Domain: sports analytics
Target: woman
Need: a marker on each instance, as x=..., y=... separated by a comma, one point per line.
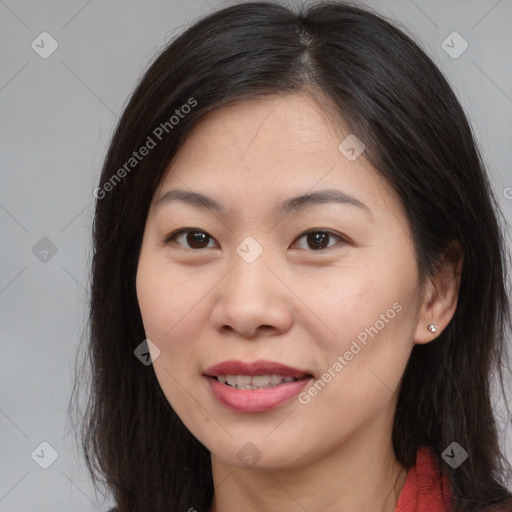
x=294, y=226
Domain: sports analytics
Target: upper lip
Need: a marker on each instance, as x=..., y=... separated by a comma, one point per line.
x=260, y=367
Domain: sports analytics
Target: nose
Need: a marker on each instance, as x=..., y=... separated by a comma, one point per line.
x=252, y=301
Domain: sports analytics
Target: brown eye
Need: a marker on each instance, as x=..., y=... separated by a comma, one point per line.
x=190, y=238
x=318, y=240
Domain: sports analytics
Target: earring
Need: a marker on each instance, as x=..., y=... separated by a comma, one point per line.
x=432, y=328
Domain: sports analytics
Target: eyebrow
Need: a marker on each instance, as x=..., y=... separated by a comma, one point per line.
x=300, y=202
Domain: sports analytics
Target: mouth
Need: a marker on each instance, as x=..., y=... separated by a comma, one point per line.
x=259, y=374
x=257, y=386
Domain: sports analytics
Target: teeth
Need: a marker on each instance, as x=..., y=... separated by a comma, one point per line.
x=231, y=380
x=261, y=381
x=275, y=379
x=254, y=382
x=242, y=380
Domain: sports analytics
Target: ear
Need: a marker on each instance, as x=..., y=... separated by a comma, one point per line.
x=440, y=295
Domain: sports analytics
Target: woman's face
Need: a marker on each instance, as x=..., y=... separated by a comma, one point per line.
x=339, y=306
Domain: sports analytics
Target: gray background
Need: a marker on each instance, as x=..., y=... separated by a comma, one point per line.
x=57, y=116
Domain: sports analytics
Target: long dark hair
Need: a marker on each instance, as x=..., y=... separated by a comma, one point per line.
x=388, y=92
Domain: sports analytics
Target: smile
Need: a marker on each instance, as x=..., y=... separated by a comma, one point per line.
x=256, y=386
x=254, y=381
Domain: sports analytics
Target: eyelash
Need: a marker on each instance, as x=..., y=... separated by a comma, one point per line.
x=175, y=234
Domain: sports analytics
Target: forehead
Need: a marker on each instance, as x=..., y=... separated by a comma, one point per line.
x=284, y=123
x=276, y=146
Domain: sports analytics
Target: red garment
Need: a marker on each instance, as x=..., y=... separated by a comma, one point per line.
x=425, y=488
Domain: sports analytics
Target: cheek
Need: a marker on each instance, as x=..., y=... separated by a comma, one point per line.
x=174, y=313
x=152, y=298
x=370, y=310
x=349, y=302
x=162, y=302
x=167, y=310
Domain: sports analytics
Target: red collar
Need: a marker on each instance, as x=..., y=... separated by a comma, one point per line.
x=425, y=488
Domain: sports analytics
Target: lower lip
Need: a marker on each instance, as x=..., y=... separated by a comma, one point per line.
x=256, y=400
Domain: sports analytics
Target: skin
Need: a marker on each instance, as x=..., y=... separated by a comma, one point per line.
x=294, y=305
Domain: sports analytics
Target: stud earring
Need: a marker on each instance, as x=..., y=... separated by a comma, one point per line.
x=432, y=328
